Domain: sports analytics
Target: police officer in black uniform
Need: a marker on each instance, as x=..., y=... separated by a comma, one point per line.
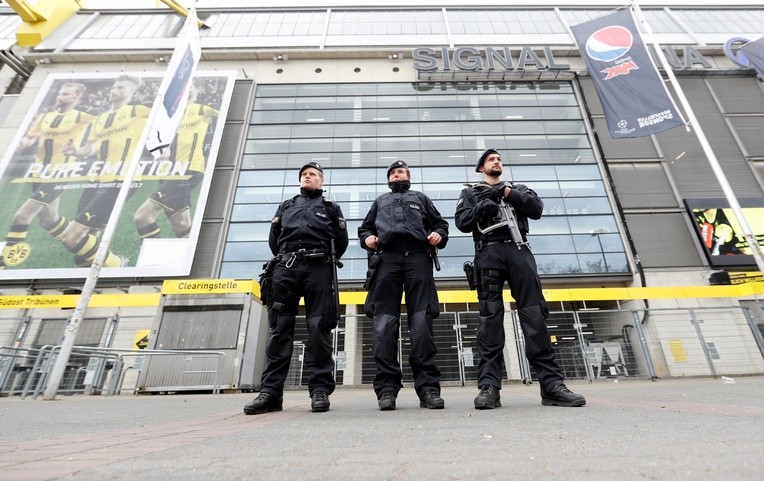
x=301, y=237
x=402, y=231
x=500, y=256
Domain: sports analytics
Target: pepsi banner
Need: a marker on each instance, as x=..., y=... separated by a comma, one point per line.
x=632, y=92
x=754, y=52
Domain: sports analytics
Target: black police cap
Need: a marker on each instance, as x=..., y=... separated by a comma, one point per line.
x=310, y=165
x=482, y=158
x=398, y=164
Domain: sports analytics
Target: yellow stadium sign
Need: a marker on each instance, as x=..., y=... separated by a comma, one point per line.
x=141, y=340
x=208, y=286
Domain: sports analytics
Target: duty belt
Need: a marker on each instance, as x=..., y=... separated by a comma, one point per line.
x=290, y=257
x=481, y=244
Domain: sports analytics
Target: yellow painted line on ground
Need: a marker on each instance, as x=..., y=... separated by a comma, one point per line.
x=231, y=286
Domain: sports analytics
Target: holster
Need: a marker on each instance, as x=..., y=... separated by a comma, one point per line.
x=371, y=273
x=266, y=281
x=473, y=275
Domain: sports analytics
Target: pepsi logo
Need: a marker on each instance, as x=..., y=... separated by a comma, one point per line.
x=609, y=43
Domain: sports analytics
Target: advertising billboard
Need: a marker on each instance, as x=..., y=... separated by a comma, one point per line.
x=719, y=232
x=632, y=92
x=62, y=172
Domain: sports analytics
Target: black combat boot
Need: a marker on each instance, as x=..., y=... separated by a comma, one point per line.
x=387, y=401
x=560, y=395
x=319, y=401
x=489, y=398
x=264, y=403
x=431, y=399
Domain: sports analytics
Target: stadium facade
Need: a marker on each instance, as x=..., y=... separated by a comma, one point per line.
x=630, y=274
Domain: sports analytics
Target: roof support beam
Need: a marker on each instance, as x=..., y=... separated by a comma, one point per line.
x=41, y=19
x=182, y=11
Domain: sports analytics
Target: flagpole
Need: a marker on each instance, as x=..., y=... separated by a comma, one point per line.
x=70, y=333
x=712, y=160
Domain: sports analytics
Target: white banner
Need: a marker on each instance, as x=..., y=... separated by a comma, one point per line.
x=173, y=92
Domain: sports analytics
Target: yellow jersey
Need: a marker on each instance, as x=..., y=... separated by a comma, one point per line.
x=117, y=132
x=189, y=143
x=53, y=130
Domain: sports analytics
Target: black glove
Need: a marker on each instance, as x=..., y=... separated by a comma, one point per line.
x=487, y=209
x=499, y=189
x=488, y=193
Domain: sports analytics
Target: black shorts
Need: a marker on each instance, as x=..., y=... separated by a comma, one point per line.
x=46, y=193
x=96, y=205
x=175, y=195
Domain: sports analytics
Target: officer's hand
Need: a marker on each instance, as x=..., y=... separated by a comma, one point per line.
x=371, y=242
x=488, y=193
x=434, y=238
x=500, y=189
x=487, y=209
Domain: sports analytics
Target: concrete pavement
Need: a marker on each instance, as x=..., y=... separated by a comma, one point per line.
x=690, y=429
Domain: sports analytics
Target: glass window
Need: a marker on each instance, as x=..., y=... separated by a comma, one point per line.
x=721, y=20
x=241, y=270
x=577, y=172
x=534, y=172
x=261, y=178
x=244, y=251
x=587, y=205
x=356, y=130
x=253, y=212
x=491, y=22
x=385, y=22
x=558, y=264
x=254, y=195
x=552, y=244
x=247, y=232
x=443, y=191
x=582, y=189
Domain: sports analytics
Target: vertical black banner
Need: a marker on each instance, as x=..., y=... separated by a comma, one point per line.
x=632, y=92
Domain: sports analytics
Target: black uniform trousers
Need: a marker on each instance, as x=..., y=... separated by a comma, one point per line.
x=311, y=278
x=504, y=262
x=412, y=271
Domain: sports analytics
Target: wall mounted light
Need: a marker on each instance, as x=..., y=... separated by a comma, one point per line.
x=281, y=57
x=394, y=56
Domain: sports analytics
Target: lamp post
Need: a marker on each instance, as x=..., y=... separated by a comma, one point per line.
x=596, y=233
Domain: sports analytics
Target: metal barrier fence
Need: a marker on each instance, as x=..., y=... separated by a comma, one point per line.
x=598, y=345
x=589, y=344
x=25, y=371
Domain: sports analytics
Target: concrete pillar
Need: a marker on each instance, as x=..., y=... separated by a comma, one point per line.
x=353, y=374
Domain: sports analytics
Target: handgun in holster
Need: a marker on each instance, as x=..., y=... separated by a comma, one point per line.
x=371, y=273
x=473, y=275
x=266, y=281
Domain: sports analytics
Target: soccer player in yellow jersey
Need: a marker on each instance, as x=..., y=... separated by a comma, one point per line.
x=112, y=137
x=51, y=131
x=174, y=196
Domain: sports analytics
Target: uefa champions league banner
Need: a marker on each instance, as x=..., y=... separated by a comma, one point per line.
x=632, y=92
x=61, y=174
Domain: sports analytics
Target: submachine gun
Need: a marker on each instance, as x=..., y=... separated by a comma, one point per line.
x=505, y=218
